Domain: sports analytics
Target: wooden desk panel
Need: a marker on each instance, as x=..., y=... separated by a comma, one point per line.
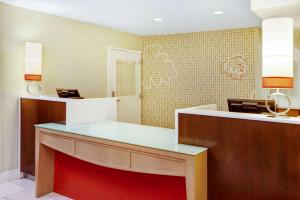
x=154, y=164
x=103, y=155
x=33, y=112
x=292, y=112
x=249, y=160
x=118, y=155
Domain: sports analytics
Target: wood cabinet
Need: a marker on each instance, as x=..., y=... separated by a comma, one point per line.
x=33, y=111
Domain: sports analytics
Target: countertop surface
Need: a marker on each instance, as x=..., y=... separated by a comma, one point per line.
x=209, y=111
x=141, y=135
x=46, y=98
x=58, y=99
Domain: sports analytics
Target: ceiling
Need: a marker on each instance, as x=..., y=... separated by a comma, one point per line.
x=136, y=16
x=277, y=8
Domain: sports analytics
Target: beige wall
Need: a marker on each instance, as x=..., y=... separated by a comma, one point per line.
x=74, y=56
x=192, y=69
x=297, y=38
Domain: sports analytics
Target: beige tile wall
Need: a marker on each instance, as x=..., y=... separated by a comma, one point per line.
x=191, y=69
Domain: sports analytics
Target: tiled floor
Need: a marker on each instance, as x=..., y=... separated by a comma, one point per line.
x=23, y=189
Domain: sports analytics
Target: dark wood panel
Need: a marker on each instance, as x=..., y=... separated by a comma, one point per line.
x=249, y=160
x=36, y=112
x=292, y=112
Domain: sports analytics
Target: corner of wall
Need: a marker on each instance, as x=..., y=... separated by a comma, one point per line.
x=258, y=64
x=297, y=38
x=1, y=90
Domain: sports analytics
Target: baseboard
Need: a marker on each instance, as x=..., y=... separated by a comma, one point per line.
x=11, y=175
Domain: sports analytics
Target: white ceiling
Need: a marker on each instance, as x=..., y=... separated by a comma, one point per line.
x=277, y=8
x=136, y=16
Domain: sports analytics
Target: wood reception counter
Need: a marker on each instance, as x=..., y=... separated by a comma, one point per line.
x=250, y=156
x=46, y=109
x=121, y=146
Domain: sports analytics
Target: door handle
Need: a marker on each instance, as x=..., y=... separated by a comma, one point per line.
x=118, y=100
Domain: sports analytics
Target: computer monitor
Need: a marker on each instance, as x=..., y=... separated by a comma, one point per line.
x=249, y=105
x=68, y=93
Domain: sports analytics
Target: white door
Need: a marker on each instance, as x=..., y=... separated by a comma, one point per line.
x=124, y=82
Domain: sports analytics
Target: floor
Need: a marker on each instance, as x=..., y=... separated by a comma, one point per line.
x=23, y=189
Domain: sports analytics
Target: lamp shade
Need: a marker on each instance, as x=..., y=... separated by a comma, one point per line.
x=33, y=61
x=278, y=47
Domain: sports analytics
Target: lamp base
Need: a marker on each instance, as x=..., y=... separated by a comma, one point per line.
x=271, y=97
x=30, y=86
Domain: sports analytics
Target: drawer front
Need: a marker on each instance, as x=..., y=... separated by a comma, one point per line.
x=157, y=165
x=62, y=144
x=103, y=155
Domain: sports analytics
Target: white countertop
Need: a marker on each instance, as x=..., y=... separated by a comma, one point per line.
x=56, y=98
x=141, y=135
x=209, y=111
x=47, y=98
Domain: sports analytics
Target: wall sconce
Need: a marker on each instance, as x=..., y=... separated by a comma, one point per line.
x=33, y=65
x=278, y=47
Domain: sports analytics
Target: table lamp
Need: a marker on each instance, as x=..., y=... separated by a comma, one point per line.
x=277, y=63
x=33, y=65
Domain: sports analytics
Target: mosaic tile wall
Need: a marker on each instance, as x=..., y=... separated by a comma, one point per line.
x=192, y=69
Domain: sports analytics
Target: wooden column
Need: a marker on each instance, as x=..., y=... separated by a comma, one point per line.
x=44, y=167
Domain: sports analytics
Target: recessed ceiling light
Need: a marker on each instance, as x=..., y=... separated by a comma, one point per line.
x=158, y=19
x=218, y=12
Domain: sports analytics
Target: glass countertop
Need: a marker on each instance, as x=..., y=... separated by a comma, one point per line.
x=141, y=135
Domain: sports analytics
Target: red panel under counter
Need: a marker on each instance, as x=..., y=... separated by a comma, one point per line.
x=80, y=180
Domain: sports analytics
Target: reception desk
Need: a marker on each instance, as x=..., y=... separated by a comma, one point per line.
x=250, y=156
x=46, y=109
x=121, y=146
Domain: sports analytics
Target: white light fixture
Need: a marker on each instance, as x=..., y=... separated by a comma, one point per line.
x=218, y=12
x=278, y=47
x=33, y=63
x=158, y=19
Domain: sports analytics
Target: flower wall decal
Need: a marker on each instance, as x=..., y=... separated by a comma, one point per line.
x=167, y=67
x=234, y=67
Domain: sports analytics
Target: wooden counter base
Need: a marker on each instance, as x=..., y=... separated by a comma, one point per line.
x=118, y=156
x=247, y=159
